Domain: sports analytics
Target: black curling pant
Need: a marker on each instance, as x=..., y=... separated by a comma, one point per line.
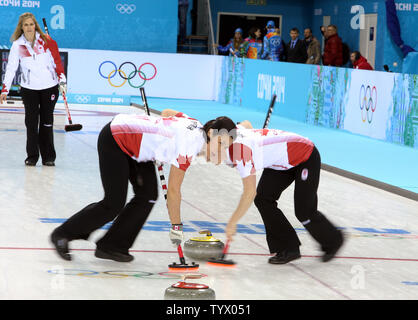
x=39, y=120
x=280, y=234
x=116, y=169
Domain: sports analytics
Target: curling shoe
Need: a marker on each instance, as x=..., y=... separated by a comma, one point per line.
x=113, y=255
x=61, y=245
x=330, y=253
x=284, y=257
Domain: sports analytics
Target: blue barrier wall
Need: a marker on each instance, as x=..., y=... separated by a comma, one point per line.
x=111, y=25
x=380, y=105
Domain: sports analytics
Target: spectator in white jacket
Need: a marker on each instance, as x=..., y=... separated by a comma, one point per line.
x=42, y=78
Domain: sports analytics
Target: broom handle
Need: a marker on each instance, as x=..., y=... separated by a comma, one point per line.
x=269, y=112
x=66, y=108
x=180, y=251
x=225, y=251
x=161, y=173
x=160, y=166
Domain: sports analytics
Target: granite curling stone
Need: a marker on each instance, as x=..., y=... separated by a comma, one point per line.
x=183, y=290
x=203, y=248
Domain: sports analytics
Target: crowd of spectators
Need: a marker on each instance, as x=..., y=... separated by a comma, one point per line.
x=272, y=47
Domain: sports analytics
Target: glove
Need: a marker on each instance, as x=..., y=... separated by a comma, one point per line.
x=63, y=88
x=3, y=98
x=176, y=234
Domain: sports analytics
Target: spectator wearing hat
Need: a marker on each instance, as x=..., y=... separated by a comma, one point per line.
x=359, y=62
x=235, y=46
x=273, y=47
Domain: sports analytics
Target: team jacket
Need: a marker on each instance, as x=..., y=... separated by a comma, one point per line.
x=272, y=46
x=173, y=140
x=230, y=48
x=41, y=65
x=362, y=63
x=333, y=51
x=254, y=48
x=256, y=149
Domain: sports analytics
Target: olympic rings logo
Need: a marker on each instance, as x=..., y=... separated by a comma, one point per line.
x=127, y=76
x=120, y=274
x=81, y=98
x=368, y=102
x=125, y=8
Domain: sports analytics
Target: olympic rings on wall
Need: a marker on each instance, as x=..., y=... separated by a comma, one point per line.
x=82, y=98
x=125, y=8
x=127, y=75
x=368, y=102
x=120, y=274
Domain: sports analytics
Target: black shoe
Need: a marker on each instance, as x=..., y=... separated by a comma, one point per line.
x=30, y=163
x=113, y=255
x=61, y=246
x=49, y=163
x=331, y=252
x=284, y=257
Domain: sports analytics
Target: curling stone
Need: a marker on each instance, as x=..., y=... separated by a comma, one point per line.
x=203, y=248
x=183, y=290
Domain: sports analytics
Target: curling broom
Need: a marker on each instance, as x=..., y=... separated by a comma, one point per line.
x=174, y=267
x=222, y=262
x=70, y=126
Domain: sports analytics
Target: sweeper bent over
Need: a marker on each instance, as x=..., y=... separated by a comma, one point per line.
x=127, y=147
x=284, y=157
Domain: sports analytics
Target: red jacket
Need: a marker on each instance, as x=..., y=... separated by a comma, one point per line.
x=362, y=63
x=333, y=52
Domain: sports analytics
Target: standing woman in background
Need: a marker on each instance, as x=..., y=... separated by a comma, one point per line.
x=254, y=43
x=41, y=81
x=236, y=46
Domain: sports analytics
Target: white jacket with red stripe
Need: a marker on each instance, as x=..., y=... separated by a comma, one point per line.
x=256, y=149
x=41, y=65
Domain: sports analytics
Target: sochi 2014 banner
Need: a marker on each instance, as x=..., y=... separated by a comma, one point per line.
x=376, y=104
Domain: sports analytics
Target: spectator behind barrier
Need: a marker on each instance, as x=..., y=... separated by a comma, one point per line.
x=254, y=44
x=235, y=46
x=359, y=62
x=183, y=6
x=296, y=49
x=313, y=47
x=272, y=43
x=333, y=52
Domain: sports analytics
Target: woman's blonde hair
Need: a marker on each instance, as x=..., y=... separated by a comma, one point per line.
x=19, y=31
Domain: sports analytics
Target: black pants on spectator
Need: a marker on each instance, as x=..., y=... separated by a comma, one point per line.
x=280, y=234
x=39, y=121
x=182, y=15
x=116, y=169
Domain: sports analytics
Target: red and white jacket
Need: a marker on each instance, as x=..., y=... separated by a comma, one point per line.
x=256, y=149
x=41, y=65
x=174, y=140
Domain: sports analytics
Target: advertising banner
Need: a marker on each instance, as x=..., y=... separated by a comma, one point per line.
x=380, y=105
x=164, y=75
x=369, y=103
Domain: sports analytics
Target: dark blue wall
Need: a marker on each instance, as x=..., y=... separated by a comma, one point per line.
x=295, y=13
x=94, y=24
